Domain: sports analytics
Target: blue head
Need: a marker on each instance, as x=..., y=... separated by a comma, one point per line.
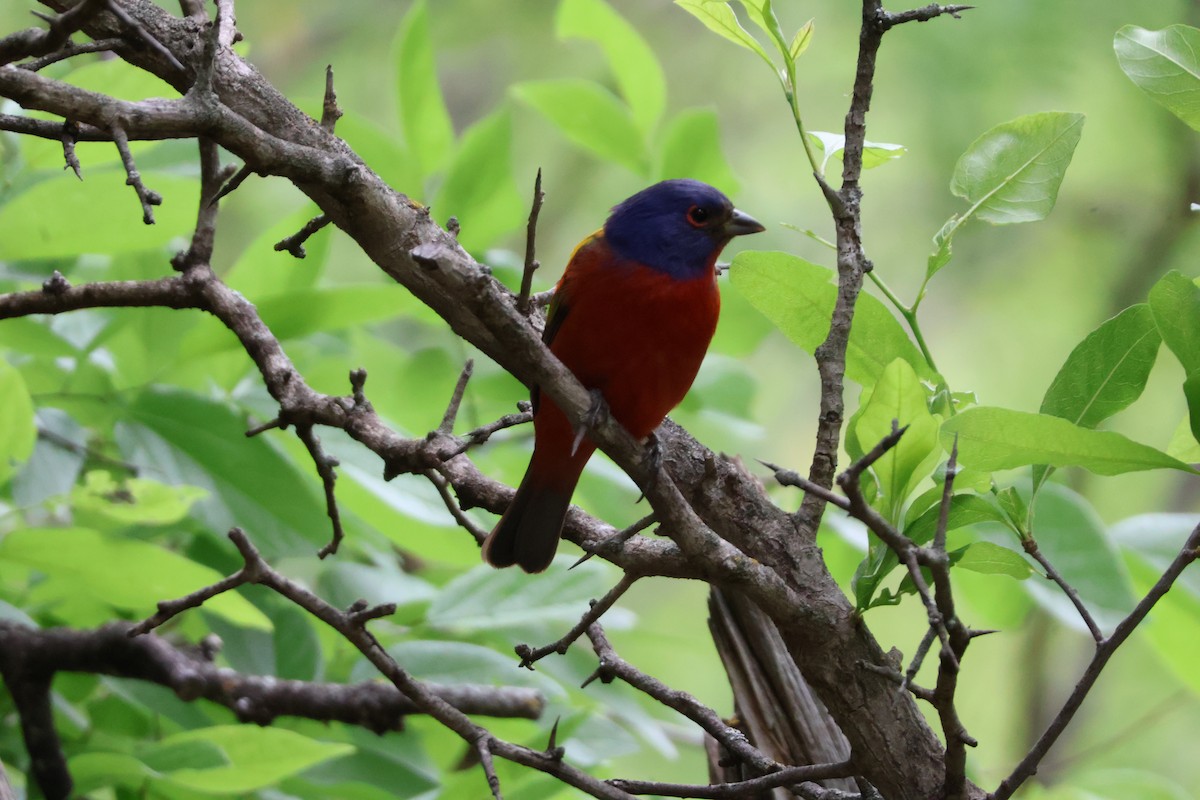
x=677, y=227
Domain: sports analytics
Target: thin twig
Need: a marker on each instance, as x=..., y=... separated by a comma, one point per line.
x=483, y=748
x=945, y=691
x=70, y=51
x=613, y=666
x=924, y=14
x=147, y=198
x=484, y=432
x=753, y=787
x=1031, y=547
x=294, y=244
x=1104, y=651
x=456, y=398
x=596, y=609
x=69, y=133
x=325, y=468
x=788, y=477
x=349, y=625
x=330, y=112
x=531, y=262
x=442, y=484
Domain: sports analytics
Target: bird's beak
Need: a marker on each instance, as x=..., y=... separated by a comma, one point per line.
x=740, y=224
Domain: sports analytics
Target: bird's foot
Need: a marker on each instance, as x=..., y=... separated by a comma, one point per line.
x=591, y=418
x=654, y=459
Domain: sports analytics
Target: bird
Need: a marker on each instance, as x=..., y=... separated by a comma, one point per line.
x=631, y=317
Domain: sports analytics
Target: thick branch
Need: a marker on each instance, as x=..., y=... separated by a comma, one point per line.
x=111, y=651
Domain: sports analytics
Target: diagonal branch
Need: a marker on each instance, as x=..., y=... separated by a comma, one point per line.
x=351, y=626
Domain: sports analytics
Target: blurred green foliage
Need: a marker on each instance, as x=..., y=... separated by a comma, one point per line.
x=141, y=466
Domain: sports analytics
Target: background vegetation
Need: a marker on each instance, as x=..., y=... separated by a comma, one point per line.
x=147, y=388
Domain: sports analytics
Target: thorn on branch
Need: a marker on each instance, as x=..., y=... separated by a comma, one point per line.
x=925, y=14
x=330, y=112
x=596, y=609
x=484, y=432
x=554, y=751
x=325, y=468
x=294, y=244
x=618, y=539
x=358, y=379
x=266, y=426
x=147, y=198
x=56, y=284
x=460, y=389
x=232, y=184
x=531, y=263
x=787, y=477
x=443, y=486
x=483, y=747
x=129, y=22
x=361, y=616
x=69, y=131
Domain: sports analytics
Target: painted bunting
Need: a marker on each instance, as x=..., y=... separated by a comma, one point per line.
x=632, y=317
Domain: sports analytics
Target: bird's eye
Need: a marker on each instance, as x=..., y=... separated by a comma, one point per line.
x=697, y=215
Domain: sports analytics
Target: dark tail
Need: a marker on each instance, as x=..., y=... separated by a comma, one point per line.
x=527, y=534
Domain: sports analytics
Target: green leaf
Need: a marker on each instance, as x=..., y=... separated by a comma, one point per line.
x=636, y=69
x=100, y=215
x=257, y=757
x=833, y=145
x=1150, y=542
x=992, y=559
x=128, y=575
x=691, y=148
x=1074, y=538
x=999, y=438
x=297, y=647
x=301, y=312
x=1104, y=374
x=943, y=249
x=92, y=771
x=1107, y=371
x=1164, y=64
x=720, y=19
x=899, y=397
x=1016, y=510
x=479, y=187
x=799, y=298
x=188, y=439
x=965, y=509
x=1178, y=611
x=1124, y=783
x=1012, y=172
x=1175, y=301
x=487, y=600
x=590, y=116
x=18, y=434
x=801, y=40
x=428, y=130
x=134, y=501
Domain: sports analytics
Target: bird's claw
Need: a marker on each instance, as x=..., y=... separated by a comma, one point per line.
x=591, y=418
x=654, y=460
